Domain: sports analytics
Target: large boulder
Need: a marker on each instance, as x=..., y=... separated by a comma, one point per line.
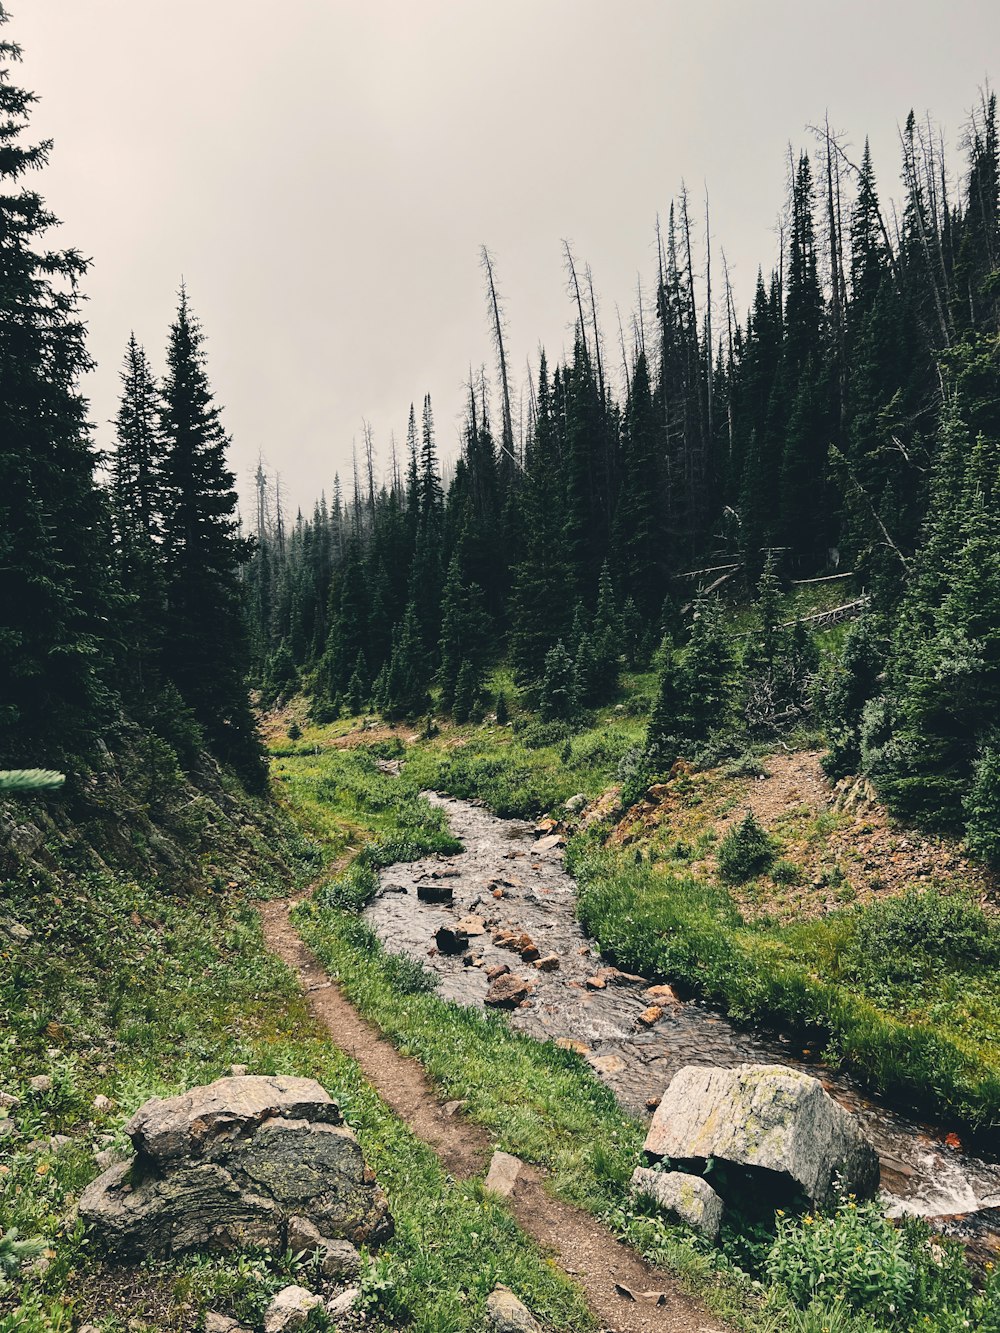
x=770, y=1132
x=228, y=1164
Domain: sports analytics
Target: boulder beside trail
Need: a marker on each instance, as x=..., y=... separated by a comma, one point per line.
x=770, y=1131
x=228, y=1165
x=684, y=1198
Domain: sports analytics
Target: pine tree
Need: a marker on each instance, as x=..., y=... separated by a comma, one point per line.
x=55, y=592
x=464, y=633
x=663, y=739
x=704, y=676
x=357, y=686
x=205, y=640
x=401, y=689
x=557, y=696
x=466, y=692
x=135, y=504
x=640, y=552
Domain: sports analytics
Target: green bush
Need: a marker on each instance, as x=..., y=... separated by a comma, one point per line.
x=898, y=1274
x=982, y=809
x=745, y=851
x=786, y=872
x=909, y=939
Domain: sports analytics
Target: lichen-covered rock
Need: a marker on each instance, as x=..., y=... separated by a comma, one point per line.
x=506, y=1314
x=227, y=1165
x=687, y=1199
x=775, y=1123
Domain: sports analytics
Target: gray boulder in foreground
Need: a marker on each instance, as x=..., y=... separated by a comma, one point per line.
x=775, y=1124
x=683, y=1198
x=227, y=1165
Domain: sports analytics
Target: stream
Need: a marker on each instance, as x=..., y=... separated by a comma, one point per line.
x=509, y=879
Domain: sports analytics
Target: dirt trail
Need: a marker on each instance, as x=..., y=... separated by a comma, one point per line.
x=581, y=1246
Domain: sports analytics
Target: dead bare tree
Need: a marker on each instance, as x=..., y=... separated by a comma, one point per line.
x=506, y=425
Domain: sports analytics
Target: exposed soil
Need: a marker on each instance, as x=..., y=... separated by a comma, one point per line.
x=840, y=838
x=581, y=1246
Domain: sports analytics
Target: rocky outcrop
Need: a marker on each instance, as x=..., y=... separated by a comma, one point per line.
x=683, y=1198
x=766, y=1127
x=228, y=1165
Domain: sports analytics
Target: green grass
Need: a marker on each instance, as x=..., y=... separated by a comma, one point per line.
x=935, y=1049
x=130, y=991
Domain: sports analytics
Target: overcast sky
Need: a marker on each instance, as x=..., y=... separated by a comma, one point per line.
x=323, y=174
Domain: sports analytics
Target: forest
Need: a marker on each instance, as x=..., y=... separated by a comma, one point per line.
x=710, y=552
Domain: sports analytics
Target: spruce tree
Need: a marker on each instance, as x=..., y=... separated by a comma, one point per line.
x=401, y=689
x=134, y=493
x=205, y=641
x=55, y=592
x=663, y=740
x=464, y=633
x=557, y=696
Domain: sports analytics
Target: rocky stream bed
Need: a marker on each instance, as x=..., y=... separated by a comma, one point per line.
x=497, y=924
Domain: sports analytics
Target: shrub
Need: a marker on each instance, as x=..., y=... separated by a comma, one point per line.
x=911, y=938
x=745, y=766
x=294, y=731
x=982, y=809
x=786, y=872
x=745, y=851
x=856, y=1255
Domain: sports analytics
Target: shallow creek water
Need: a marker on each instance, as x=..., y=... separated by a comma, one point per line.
x=507, y=878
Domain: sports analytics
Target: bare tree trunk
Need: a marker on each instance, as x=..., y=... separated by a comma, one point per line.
x=708, y=317
x=575, y=283
x=369, y=463
x=597, y=336
x=507, y=426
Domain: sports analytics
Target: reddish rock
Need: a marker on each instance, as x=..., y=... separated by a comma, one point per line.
x=596, y=982
x=662, y=995
x=651, y=1015
x=508, y=991
x=497, y=970
x=549, y=963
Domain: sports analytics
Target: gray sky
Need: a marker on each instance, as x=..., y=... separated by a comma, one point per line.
x=323, y=173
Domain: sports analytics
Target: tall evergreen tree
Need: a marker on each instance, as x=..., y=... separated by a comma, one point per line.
x=135, y=515
x=205, y=640
x=55, y=594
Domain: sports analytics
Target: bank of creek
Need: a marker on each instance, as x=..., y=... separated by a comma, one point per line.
x=509, y=882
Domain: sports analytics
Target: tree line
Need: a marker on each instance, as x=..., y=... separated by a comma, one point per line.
x=848, y=421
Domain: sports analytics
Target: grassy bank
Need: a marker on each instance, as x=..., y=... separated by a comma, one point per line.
x=938, y=1053
x=122, y=988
